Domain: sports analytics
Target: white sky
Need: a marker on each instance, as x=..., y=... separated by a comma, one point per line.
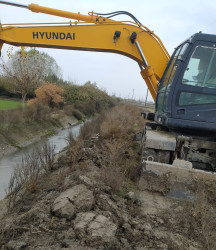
x=172, y=20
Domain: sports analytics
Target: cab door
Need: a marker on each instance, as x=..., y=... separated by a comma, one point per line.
x=163, y=100
x=194, y=97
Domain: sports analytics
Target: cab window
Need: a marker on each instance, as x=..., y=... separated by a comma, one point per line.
x=172, y=67
x=201, y=69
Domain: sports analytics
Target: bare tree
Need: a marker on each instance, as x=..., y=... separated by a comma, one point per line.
x=26, y=70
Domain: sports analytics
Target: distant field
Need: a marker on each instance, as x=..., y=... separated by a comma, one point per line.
x=7, y=104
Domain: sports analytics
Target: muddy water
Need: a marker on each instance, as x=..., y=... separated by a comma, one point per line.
x=7, y=163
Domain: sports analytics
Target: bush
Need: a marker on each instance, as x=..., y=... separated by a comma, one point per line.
x=70, y=139
x=77, y=114
x=36, y=112
x=16, y=117
x=10, y=118
x=88, y=98
x=49, y=94
x=68, y=109
x=87, y=108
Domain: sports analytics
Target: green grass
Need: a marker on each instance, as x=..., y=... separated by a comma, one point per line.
x=7, y=104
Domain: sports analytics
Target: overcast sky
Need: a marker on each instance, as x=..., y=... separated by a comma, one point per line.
x=172, y=20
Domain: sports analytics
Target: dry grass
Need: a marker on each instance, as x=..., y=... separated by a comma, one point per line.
x=204, y=216
x=91, y=128
x=70, y=139
x=19, y=116
x=113, y=177
x=110, y=138
x=73, y=153
x=121, y=122
x=119, y=128
x=26, y=174
x=196, y=219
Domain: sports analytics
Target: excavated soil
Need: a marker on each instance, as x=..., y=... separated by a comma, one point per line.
x=80, y=206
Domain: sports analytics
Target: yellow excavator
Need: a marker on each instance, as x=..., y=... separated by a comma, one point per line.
x=183, y=126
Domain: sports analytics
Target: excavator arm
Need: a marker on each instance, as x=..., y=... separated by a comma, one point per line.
x=93, y=33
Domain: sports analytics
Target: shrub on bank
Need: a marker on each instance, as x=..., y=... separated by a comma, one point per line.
x=36, y=112
x=88, y=99
x=5, y=89
x=77, y=114
x=48, y=94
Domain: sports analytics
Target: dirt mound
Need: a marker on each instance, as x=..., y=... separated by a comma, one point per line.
x=91, y=200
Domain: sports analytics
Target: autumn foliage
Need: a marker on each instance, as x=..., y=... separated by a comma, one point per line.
x=48, y=94
x=25, y=70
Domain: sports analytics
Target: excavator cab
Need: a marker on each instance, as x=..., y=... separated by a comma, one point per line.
x=186, y=98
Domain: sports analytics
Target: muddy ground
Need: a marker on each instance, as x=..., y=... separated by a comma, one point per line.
x=92, y=199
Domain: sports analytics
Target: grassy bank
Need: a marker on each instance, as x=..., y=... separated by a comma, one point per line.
x=19, y=126
x=9, y=104
x=14, y=133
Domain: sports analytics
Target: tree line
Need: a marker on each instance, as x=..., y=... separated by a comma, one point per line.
x=35, y=76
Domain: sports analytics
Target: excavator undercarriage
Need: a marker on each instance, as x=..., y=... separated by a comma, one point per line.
x=163, y=146
x=175, y=162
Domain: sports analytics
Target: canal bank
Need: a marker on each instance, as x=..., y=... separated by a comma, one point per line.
x=19, y=137
x=12, y=155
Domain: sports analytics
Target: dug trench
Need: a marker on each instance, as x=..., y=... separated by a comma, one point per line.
x=91, y=198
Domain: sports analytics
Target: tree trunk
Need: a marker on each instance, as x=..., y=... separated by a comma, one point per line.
x=23, y=103
x=23, y=99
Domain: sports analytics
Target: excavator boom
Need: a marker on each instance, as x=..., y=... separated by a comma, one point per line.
x=93, y=33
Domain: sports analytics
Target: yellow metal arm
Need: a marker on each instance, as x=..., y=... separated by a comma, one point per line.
x=1, y=44
x=105, y=36
x=76, y=16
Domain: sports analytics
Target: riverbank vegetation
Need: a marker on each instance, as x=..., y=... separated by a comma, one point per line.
x=42, y=102
x=25, y=70
x=29, y=74
x=112, y=132
x=72, y=100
